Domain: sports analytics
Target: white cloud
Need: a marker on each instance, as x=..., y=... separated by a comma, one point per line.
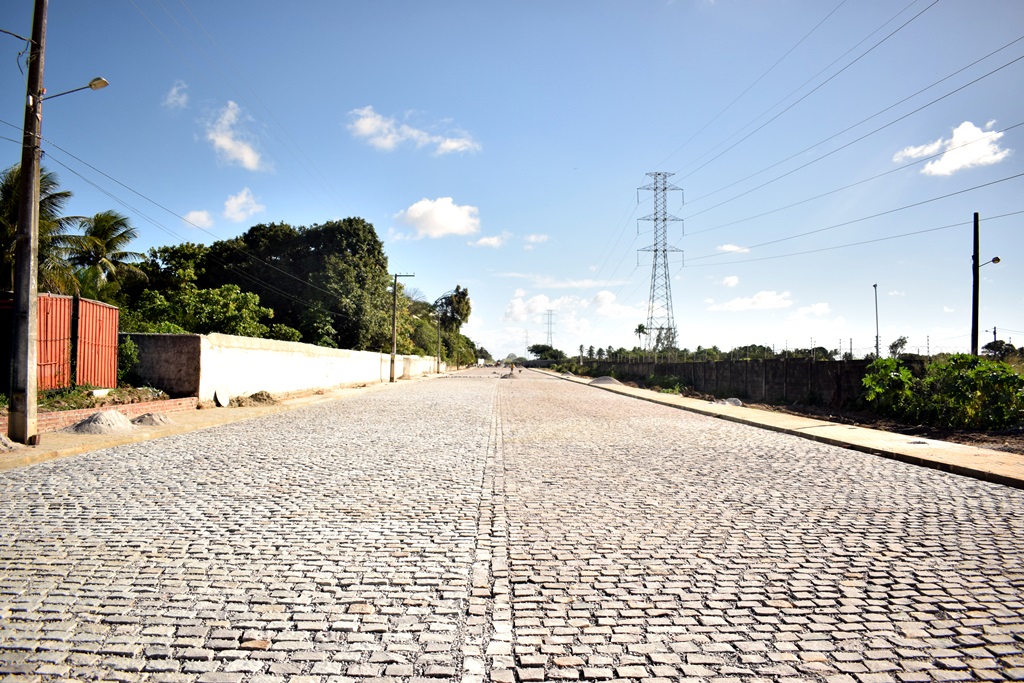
x=439, y=217
x=896, y=292
x=387, y=133
x=176, y=97
x=548, y=282
x=606, y=305
x=759, y=302
x=731, y=281
x=733, y=248
x=240, y=206
x=199, y=219
x=968, y=147
x=533, y=240
x=947, y=309
x=228, y=140
x=814, y=310
x=494, y=241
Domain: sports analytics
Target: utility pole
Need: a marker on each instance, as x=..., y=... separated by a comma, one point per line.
x=394, y=322
x=976, y=265
x=976, y=281
x=23, y=426
x=660, y=318
x=878, y=338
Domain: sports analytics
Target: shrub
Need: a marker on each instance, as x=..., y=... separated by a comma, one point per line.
x=890, y=388
x=959, y=392
x=974, y=393
x=127, y=358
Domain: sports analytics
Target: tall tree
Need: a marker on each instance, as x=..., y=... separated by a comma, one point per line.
x=454, y=308
x=102, y=257
x=55, y=273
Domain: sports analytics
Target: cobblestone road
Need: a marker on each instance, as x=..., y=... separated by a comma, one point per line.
x=477, y=529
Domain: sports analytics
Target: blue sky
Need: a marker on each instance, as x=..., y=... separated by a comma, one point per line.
x=822, y=148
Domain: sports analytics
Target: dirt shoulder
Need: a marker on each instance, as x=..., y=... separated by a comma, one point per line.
x=1007, y=440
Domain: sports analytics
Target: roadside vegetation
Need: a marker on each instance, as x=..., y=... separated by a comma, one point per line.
x=947, y=391
x=326, y=284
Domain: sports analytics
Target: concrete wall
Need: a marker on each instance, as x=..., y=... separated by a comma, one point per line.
x=777, y=380
x=202, y=365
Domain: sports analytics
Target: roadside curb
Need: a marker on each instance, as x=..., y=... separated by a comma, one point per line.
x=985, y=464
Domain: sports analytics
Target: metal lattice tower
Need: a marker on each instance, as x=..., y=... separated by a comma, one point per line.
x=551, y=323
x=661, y=325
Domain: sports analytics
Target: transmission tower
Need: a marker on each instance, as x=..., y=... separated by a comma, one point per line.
x=661, y=325
x=551, y=323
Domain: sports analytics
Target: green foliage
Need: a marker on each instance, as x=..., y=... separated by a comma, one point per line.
x=960, y=392
x=546, y=352
x=890, y=387
x=127, y=358
x=969, y=392
x=55, y=273
x=284, y=333
x=454, y=308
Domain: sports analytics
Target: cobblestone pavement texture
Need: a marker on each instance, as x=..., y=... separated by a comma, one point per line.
x=480, y=529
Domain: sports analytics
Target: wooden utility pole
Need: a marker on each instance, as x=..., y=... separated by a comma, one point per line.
x=22, y=425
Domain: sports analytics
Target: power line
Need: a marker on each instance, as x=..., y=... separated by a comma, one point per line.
x=875, y=215
x=810, y=92
x=859, y=182
x=751, y=86
x=842, y=147
x=855, y=244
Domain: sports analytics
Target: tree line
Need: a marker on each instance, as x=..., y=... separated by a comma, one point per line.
x=326, y=284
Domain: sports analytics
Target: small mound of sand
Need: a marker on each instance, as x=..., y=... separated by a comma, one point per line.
x=104, y=422
x=568, y=374
x=605, y=380
x=152, y=419
x=6, y=444
x=729, y=402
x=260, y=398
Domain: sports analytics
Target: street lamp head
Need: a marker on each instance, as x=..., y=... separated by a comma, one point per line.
x=98, y=83
x=995, y=259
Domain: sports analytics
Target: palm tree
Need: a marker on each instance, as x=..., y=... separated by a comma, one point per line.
x=100, y=256
x=55, y=273
x=640, y=331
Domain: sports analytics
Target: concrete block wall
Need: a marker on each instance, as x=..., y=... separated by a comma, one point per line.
x=204, y=365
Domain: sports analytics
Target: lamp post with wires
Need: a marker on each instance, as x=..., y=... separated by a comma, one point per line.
x=22, y=423
x=976, y=278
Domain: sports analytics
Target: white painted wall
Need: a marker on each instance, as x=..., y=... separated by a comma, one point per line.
x=240, y=366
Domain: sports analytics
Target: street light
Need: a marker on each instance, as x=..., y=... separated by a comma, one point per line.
x=22, y=425
x=976, y=279
x=878, y=348
x=98, y=83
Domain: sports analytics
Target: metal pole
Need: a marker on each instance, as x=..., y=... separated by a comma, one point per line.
x=975, y=275
x=878, y=339
x=22, y=426
x=394, y=324
x=439, y=344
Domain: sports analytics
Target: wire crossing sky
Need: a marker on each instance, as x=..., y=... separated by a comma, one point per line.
x=822, y=147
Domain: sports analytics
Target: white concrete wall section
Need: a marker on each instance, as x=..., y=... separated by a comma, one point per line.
x=243, y=365
x=238, y=366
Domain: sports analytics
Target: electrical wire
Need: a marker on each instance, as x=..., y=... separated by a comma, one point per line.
x=855, y=244
x=878, y=113
x=875, y=215
x=855, y=184
x=810, y=92
x=751, y=86
x=855, y=141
